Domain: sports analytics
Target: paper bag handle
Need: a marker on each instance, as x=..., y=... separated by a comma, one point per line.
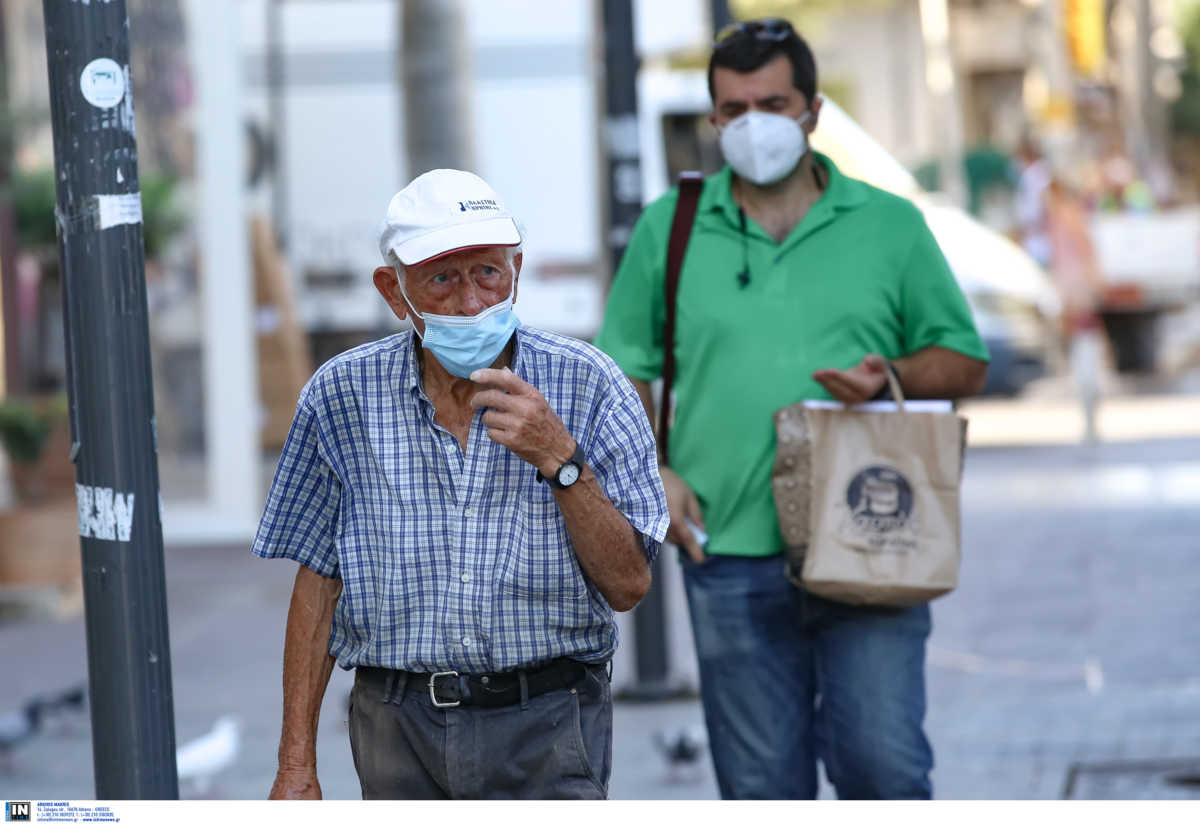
x=893, y=380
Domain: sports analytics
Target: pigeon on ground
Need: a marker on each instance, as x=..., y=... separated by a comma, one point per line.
x=201, y=759
x=683, y=749
x=18, y=726
x=74, y=698
x=58, y=711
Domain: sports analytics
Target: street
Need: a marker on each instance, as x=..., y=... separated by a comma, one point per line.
x=170, y=285
x=1066, y=664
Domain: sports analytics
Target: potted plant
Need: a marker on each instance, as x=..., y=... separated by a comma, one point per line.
x=39, y=530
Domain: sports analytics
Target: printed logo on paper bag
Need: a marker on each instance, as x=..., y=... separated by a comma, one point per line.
x=880, y=502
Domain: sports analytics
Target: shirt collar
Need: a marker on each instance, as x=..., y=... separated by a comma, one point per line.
x=842, y=194
x=410, y=376
x=410, y=369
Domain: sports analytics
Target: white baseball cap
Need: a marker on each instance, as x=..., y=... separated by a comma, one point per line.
x=443, y=211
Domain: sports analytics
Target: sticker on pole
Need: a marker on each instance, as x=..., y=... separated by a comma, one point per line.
x=103, y=83
x=104, y=513
x=117, y=210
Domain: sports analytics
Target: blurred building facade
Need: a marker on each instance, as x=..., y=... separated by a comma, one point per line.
x=316, y=129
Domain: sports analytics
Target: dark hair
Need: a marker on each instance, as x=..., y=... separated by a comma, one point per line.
x=746, y=50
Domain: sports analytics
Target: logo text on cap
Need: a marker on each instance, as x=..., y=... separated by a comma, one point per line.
x=486, y=205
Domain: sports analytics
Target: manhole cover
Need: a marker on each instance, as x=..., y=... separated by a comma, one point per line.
x=1177, y=778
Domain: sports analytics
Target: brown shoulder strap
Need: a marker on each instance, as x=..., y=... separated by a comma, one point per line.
x=690, y=185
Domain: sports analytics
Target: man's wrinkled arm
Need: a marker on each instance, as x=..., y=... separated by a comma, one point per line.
x=606, y=544
x=307, y=666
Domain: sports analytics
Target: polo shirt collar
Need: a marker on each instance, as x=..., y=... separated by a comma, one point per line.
x=842, y=194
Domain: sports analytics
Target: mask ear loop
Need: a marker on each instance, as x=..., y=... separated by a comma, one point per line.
x=407, y=302
x=816, y=172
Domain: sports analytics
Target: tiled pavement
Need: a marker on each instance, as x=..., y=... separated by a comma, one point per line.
x=1072, y=639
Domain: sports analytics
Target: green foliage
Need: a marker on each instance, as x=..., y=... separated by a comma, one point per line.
x=33, y=207
x=985, y=168
x=1185, y=113
x=162, y=218
x=34, y=199
x=1189, y=33
x=23, y=430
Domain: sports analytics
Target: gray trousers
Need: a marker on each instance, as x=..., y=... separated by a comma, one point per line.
x=553, y=746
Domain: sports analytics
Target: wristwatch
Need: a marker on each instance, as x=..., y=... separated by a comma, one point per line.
x=568, y=473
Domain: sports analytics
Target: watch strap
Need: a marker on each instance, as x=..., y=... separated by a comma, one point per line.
x=576, y=458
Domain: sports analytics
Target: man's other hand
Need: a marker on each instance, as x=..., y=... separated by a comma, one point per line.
x=857, y=384
x=683, y=506
x=292, y=783
x=519, y=417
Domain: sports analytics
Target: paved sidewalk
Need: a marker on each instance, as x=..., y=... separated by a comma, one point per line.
x=227, y=613
x=1071, y=643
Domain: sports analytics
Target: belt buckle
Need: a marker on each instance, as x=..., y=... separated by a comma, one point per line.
x=433, y=692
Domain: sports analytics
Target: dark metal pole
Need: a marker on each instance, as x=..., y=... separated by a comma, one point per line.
x=625, y=205
x=721, y=16
x=621, y=126
x=111, y=399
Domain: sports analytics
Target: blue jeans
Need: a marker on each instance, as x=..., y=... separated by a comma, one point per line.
x=787, y=678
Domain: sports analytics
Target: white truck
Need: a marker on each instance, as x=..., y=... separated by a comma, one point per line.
x=1151, y=265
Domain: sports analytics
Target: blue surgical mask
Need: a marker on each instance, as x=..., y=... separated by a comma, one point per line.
x=464, y=344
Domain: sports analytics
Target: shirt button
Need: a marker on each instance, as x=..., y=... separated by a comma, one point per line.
x=468, y=512
x=466, y=642
x=466, y=577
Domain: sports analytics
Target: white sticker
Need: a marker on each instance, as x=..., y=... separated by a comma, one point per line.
x=116, y=210
x=103, y=83
x=103, y=513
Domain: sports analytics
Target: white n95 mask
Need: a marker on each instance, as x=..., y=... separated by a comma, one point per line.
x=764, y=148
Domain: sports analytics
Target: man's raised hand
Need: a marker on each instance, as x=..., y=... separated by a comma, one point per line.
x=518, y=417
x=857, y=384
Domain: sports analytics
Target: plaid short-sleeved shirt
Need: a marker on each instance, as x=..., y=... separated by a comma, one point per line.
x=451, y=560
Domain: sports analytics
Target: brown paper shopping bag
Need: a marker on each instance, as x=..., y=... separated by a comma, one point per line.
x=868, y=501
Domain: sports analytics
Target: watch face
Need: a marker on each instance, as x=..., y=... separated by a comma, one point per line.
x=568, y=475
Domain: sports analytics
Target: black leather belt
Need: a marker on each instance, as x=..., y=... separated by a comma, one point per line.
x=451, y=689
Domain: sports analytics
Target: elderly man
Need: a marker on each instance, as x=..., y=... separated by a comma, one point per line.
x=468, y=503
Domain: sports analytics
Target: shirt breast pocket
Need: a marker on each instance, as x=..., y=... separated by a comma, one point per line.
x=539, y=562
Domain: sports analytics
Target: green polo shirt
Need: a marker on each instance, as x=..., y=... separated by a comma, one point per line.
x=861, y=273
